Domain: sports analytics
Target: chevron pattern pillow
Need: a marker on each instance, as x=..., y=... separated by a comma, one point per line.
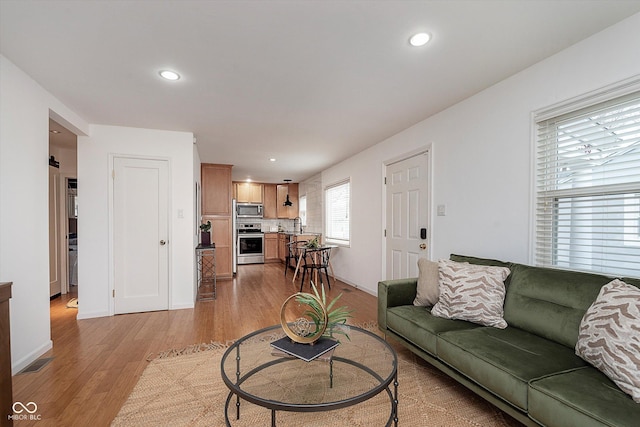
x=609, y=335
x=471, y=292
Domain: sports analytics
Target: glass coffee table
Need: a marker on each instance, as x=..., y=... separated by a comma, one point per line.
x=355, y=371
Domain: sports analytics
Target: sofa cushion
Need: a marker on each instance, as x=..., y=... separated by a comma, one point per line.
x=418, y=326
x=550, y=303
x=478, y=261
x=428, y=288
x=581, y=398
x=471, y=292
x=504, y=360
x=610, y=335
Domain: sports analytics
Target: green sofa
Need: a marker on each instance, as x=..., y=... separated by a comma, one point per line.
x=530, y=369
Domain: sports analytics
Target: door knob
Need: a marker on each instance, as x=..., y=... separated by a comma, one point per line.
x=162, y=242
x=423, y=246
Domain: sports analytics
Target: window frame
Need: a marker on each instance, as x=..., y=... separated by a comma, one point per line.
x=328, y=238
x=538, y=234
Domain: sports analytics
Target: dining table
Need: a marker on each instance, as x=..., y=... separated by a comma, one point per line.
x=312, y=252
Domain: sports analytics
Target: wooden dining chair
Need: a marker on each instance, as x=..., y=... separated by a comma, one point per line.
x=313, y=262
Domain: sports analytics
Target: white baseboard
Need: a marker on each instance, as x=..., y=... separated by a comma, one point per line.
x=181, y=306
x=92, y=315
x=31, y=357
x=363, y=289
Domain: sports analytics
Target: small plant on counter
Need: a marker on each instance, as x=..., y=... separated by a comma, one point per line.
x=336, y=316
x=314, y=244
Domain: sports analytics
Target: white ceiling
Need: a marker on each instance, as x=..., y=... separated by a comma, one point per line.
x=309, y=83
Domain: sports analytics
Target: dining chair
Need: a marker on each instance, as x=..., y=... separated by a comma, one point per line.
x=295, y=250
x=313, y=262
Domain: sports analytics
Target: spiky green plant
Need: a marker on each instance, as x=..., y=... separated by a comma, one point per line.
x=336, y=316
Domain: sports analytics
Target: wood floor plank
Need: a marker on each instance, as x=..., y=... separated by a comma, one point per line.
x=97, y=362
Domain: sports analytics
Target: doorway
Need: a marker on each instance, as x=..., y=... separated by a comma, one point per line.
x=62, y=220
x=140, y=234
x=407, y=214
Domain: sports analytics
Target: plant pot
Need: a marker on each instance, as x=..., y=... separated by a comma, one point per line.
x=205, y=238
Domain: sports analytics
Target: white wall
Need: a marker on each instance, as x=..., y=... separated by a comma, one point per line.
x=95, y=157
x=312, y=189
x=481, y=159
x=67, y=158
x=197, y=207
x=25, y=108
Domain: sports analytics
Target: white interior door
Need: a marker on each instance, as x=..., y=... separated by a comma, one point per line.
x=140, y=235
x=407, y=206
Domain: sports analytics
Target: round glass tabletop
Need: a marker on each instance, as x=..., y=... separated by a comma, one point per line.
x=359, y=368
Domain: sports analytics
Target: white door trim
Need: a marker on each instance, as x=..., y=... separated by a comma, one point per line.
x=111, y=226
x=428, y=148
x=64, y=209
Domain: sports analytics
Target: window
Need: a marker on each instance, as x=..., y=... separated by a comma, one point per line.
x=302, y=205
x=588, y=188
x=337, y=213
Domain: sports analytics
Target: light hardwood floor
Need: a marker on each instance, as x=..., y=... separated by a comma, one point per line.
x=97, y=362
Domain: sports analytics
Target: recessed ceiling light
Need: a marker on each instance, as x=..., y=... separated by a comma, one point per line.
x=419, y=39
x=272, y=159
x=169, y=75
x=248, y=180
x=54, y=131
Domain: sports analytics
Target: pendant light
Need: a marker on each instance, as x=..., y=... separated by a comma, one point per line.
x=287, y=202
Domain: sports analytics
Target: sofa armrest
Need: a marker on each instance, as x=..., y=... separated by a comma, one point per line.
x=393, y=293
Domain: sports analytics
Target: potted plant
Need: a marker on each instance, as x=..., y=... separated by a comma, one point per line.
x=313, y=243
x=336, y=316
x=205, y=236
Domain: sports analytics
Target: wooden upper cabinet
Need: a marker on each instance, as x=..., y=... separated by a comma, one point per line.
x=269, y=204
x=248, y=192
x=216, y=189
x=287, y=211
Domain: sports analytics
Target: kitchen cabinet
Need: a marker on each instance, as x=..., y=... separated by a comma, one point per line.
x=270, y=201
x=222, y=235
x=283, y=240
x=271, y=247
x=216, y=189
x=282, y=211
x=248, y=192
x=217, y=192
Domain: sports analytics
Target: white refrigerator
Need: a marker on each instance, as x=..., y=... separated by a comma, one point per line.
x=234, y=239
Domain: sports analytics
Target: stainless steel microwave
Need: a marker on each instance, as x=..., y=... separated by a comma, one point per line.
x=249, y=210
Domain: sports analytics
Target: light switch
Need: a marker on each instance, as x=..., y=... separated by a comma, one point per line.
x=180, y=213
x=442, y=210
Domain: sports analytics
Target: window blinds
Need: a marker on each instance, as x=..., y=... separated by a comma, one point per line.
x=588, y=189
x=337, y=213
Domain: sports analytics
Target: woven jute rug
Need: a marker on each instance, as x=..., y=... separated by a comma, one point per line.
x=184, y=388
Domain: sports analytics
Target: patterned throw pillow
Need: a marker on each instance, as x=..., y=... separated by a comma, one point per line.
x=471, y=292
x=609, y=335
x=428, y=287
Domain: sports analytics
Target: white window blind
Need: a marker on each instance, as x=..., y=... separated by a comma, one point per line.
x=588, y=189
x=337, y=213
x=302, y=205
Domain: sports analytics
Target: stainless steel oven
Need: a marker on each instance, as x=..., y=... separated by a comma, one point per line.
x=250, y=244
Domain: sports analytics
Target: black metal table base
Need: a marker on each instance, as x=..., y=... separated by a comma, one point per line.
x=388, y=384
